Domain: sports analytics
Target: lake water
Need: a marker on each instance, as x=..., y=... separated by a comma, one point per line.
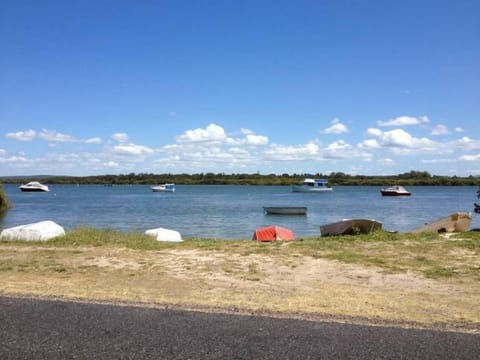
x=230, y=212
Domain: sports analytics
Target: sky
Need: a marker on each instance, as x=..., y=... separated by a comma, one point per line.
x=364, y=87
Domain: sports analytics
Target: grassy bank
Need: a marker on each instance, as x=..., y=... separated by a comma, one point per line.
x=424, y=279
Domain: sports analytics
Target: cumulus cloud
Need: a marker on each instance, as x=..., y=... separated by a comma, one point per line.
x=440, y=130
x=404, y=121
x=51, y=136
x=399, y=138
x=212, y=132
x=94, y=140
x=386, y=162
x=336, y=127
x=27, y=135
x=3, y=152
x=470, y=157
x=467, y=143
x=458, y=129
x=298, y=152
x=369, y=144
x=121, y=137
x=111, y=164
x=132, y=149
x=54, y=136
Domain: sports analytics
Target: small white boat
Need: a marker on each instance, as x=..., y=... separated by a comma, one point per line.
x=285, y=210
x=395, y=191
x=350, y=227
x=34, y=186
x=456, y=222
x=312, y=185
x=163, y=188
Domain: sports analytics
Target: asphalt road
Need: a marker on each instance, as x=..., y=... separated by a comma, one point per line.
x=37, y=329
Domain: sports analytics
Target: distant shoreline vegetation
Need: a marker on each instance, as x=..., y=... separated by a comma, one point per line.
x=412, y=178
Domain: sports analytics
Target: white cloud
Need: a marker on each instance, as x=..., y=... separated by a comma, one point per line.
x=399, y=138
x=369, y=144
x=404, y=121
x=94, y=140
x=256, y=140
x=212, y=132
x=27, y=135
x=440, y=130
x=470, y=157
x=386, y=162
x=132, y=149
x=54, y=136
x=338, y=150
x=336, y=128
x=121, y=137
x=458, y=129
x=111, y=164
x=3, y=152
x=299, y=152
x=374, y=132
x=466, y=143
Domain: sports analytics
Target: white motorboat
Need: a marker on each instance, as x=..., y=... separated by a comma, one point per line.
x=312, y=185
x=395, y=191
x=163, y=188
x=34, y=186
x=285, y=210
x=350, y=227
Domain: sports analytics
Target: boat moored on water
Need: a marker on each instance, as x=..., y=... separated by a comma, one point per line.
x=34, y=186
x=163, y=188
x=285, y=210
x=313, y=185
x=350, y=227
x=396, y=190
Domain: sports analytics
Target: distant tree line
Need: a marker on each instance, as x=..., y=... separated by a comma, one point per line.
x=335, y=178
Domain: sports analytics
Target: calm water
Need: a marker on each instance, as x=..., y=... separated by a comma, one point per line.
x=231, y=212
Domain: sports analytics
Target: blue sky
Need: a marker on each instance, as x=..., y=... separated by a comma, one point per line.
x=362, y=87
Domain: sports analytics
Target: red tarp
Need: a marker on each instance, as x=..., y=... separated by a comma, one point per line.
x=273, y=233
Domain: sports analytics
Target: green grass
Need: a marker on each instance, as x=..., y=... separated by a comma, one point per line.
x=429, y=254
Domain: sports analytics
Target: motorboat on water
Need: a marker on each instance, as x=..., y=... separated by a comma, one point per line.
x=312, y=185
x=456, y=222
x=285, y=210
x=350, y=227
x=34, y=186
x=163, y=188
x=396, y=190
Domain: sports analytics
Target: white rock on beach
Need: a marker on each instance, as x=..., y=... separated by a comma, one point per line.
x=40, y=231
x=162, y=234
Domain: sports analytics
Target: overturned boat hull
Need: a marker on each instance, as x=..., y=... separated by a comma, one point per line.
x=456, y=222
x=350, y=227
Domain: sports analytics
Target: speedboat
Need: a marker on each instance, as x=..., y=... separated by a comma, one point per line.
x=350, y=227
x=163, y=188
x=395, y=191
x=34, y=186
x=312, y=185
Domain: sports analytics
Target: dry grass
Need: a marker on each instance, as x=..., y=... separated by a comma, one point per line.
x=421, y=279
